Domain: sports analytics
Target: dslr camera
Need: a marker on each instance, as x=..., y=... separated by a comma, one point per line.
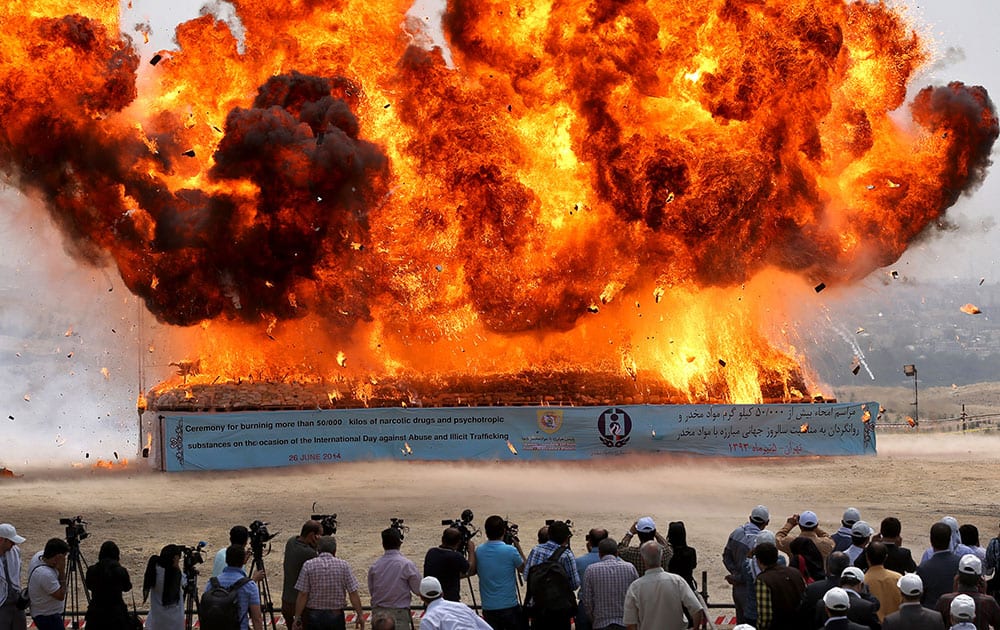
x=75, y=530
x=464, y=525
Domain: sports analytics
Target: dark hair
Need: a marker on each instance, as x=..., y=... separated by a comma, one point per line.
x=391, y=538
x=876, y=553
x=969, y=534
x=109, y=551
x=311, y=527
x=806, y=557
x=495, y=527
x=239, y=535
x=171, y=575
x=559, y=532
x=236, y=556
x=891, y=527
x=836, y=562
x=543, y=534
x=968, y=579
x=450, y=537
x=940, y=536
x=596, y=535
x=766, y=554
x=677, y=534
x=54, y=547
x=607, y=547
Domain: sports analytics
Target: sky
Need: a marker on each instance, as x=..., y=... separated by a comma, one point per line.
x=70, y=345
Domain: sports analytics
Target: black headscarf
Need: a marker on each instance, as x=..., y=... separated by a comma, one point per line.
x=109, y=551
x=171, y=575
x=806, y=557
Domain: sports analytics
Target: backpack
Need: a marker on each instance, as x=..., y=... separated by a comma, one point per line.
x=220, y=606
x=549, y=586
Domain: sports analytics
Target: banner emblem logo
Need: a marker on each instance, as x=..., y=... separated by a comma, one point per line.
x=550, y=421
x=614, y=425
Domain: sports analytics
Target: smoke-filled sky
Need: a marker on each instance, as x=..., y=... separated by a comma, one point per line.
x=69, y=341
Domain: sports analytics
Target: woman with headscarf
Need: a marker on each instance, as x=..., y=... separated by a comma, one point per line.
x=163, y=585
x=107, y=580
x=806, y=557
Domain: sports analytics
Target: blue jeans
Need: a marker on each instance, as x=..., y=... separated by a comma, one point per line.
x=323, y=619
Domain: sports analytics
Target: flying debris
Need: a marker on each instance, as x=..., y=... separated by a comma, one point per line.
x=970, y=309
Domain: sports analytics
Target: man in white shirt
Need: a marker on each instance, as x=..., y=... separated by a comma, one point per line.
x=442, y=614
x=47, y=585
x=10, y=579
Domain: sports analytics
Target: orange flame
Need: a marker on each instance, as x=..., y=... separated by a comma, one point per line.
x=511, y=448
x=326, y=183
x=910, y=421
x=804, y=427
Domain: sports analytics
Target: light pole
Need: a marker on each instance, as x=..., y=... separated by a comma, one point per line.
x=911, y=370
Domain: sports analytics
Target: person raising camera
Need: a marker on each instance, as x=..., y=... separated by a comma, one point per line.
x=449, y=565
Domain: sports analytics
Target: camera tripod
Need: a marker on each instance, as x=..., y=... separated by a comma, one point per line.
x=76, y=568
x=266, y=605
x=191, y=608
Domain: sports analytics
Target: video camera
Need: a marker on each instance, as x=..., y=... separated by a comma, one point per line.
x=75, y=530
x=192, y=557
x=328, y=521
x=569, y=524
x=397, y=524
x=258, y=536
x=464, y=525
x=510, y=533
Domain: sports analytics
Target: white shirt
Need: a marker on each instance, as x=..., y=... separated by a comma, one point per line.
x=164, y=617
x=43, y=580
x=442, y=614
x=12, y=563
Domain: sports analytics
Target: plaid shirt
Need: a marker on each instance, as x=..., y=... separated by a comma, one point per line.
x=542, y=552
x=605, y=584
x=327, y=580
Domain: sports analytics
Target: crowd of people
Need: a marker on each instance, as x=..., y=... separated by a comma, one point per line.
x=797, y=577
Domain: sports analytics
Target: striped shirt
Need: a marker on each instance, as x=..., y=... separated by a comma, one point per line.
x=326, y=580
x=605, y=584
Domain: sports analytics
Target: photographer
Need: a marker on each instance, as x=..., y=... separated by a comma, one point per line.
x=162, y=585
x=107, y=580
x=448, y=564
x=392, y=579
x=238, y=535
x=498, y=564
x=11, y=617
x=47, y=585
x=298, y=549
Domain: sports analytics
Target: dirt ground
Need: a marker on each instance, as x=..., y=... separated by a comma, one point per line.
x=916, y=477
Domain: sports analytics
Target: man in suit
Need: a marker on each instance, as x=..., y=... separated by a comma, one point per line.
x=898, y=558
x=863, y=608
x=836, y=604
x=835, y=565
x=970, y=582
x=911, y=615
x=939, y=570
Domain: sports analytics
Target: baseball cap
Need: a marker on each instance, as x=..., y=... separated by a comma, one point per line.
x=963, y=607
x=861, y=529
x=970, y=564
x=853, y=573
x=808, y=519
x=7, y=531
x=760, y=515
x=645, y=524
x=430, y=587
x=743, y=626
x=851, y=516
x=910, y=585
x=836, y=599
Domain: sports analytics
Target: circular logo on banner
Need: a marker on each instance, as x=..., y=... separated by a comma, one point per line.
x=614, y=425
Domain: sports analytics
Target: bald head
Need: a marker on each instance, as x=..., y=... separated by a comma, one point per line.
x=651, y=554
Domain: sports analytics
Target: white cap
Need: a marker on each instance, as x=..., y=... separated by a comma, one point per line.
x=7, y=531
x=808, y=519
x=430, y=587
x=861, y=529
x=910, y=585
x=851, y=516
x=854, y=573
x=970, y=564
x=760, y=515
x=837, y=599
x=645, y=525
x=963, y=608
x=744, y=626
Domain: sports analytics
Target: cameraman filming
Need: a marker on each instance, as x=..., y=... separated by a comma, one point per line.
x=448, y=564
x=238, y=535
x=298, y=549
x=498, y=564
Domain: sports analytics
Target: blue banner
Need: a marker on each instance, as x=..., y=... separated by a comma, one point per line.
x=230, y=441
